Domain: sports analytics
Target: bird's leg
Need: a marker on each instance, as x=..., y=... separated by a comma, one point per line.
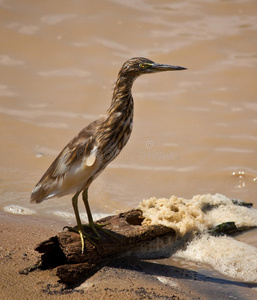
x=79, y=228
x=76, y=211
x=94, y=226
x=89, y=215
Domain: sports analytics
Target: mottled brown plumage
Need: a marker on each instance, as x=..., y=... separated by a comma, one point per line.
x=87, y=155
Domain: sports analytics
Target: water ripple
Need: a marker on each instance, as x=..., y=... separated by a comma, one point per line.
x=55, y=19
x=235, y=150
x=6, y=60
x=65, y=73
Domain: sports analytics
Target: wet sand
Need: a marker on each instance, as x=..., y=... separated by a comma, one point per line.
x=122, y=280
x=125, y=278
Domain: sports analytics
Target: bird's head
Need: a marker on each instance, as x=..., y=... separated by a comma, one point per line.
x=137, y=66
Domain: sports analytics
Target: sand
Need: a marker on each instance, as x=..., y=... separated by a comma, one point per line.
x=124, y=279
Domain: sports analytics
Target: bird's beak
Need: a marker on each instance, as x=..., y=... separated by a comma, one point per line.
x=160, y=67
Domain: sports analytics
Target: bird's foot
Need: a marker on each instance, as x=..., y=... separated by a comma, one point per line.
x=77, y=230
x=95, y=227
x=85, y=235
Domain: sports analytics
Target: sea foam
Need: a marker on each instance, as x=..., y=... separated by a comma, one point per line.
x=196, y=216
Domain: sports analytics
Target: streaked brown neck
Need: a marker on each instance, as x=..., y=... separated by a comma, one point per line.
x=117, y=127
x=122, y=100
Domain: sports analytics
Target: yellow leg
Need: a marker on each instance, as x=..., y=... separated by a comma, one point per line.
x=76, y=211
x=94, y=226
x=89, y=215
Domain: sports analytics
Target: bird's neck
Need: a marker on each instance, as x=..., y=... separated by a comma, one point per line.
x=122, y=100
x=117, y=126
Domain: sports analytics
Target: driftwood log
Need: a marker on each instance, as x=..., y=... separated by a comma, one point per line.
x=63, y=251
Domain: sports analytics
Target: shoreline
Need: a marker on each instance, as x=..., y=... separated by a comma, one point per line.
x=19, y=236
x=125, y=278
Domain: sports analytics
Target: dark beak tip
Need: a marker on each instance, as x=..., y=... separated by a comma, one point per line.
x=181, y=68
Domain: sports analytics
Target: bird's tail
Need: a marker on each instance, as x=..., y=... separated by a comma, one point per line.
x=39, y=194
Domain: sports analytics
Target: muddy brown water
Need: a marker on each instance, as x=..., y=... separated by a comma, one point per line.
x=195, y=131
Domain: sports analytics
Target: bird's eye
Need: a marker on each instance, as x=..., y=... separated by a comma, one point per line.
x=144, y=66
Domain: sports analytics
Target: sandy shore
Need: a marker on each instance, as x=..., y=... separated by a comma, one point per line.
x=127, y=278
x=124, y=279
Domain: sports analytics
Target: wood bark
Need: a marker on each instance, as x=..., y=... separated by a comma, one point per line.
x=63, y=251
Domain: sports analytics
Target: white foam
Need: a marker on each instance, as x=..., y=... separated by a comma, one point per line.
x=63, y=214
x=18, y=210
x=98, y=216
x=167, y=281
x=197, y=215
x=83, y=216
x=225, y=254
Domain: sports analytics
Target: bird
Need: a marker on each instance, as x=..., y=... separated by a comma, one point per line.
x=95, y=146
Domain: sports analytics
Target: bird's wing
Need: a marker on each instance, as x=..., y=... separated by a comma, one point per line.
x=80, y=151
x=73, y=154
